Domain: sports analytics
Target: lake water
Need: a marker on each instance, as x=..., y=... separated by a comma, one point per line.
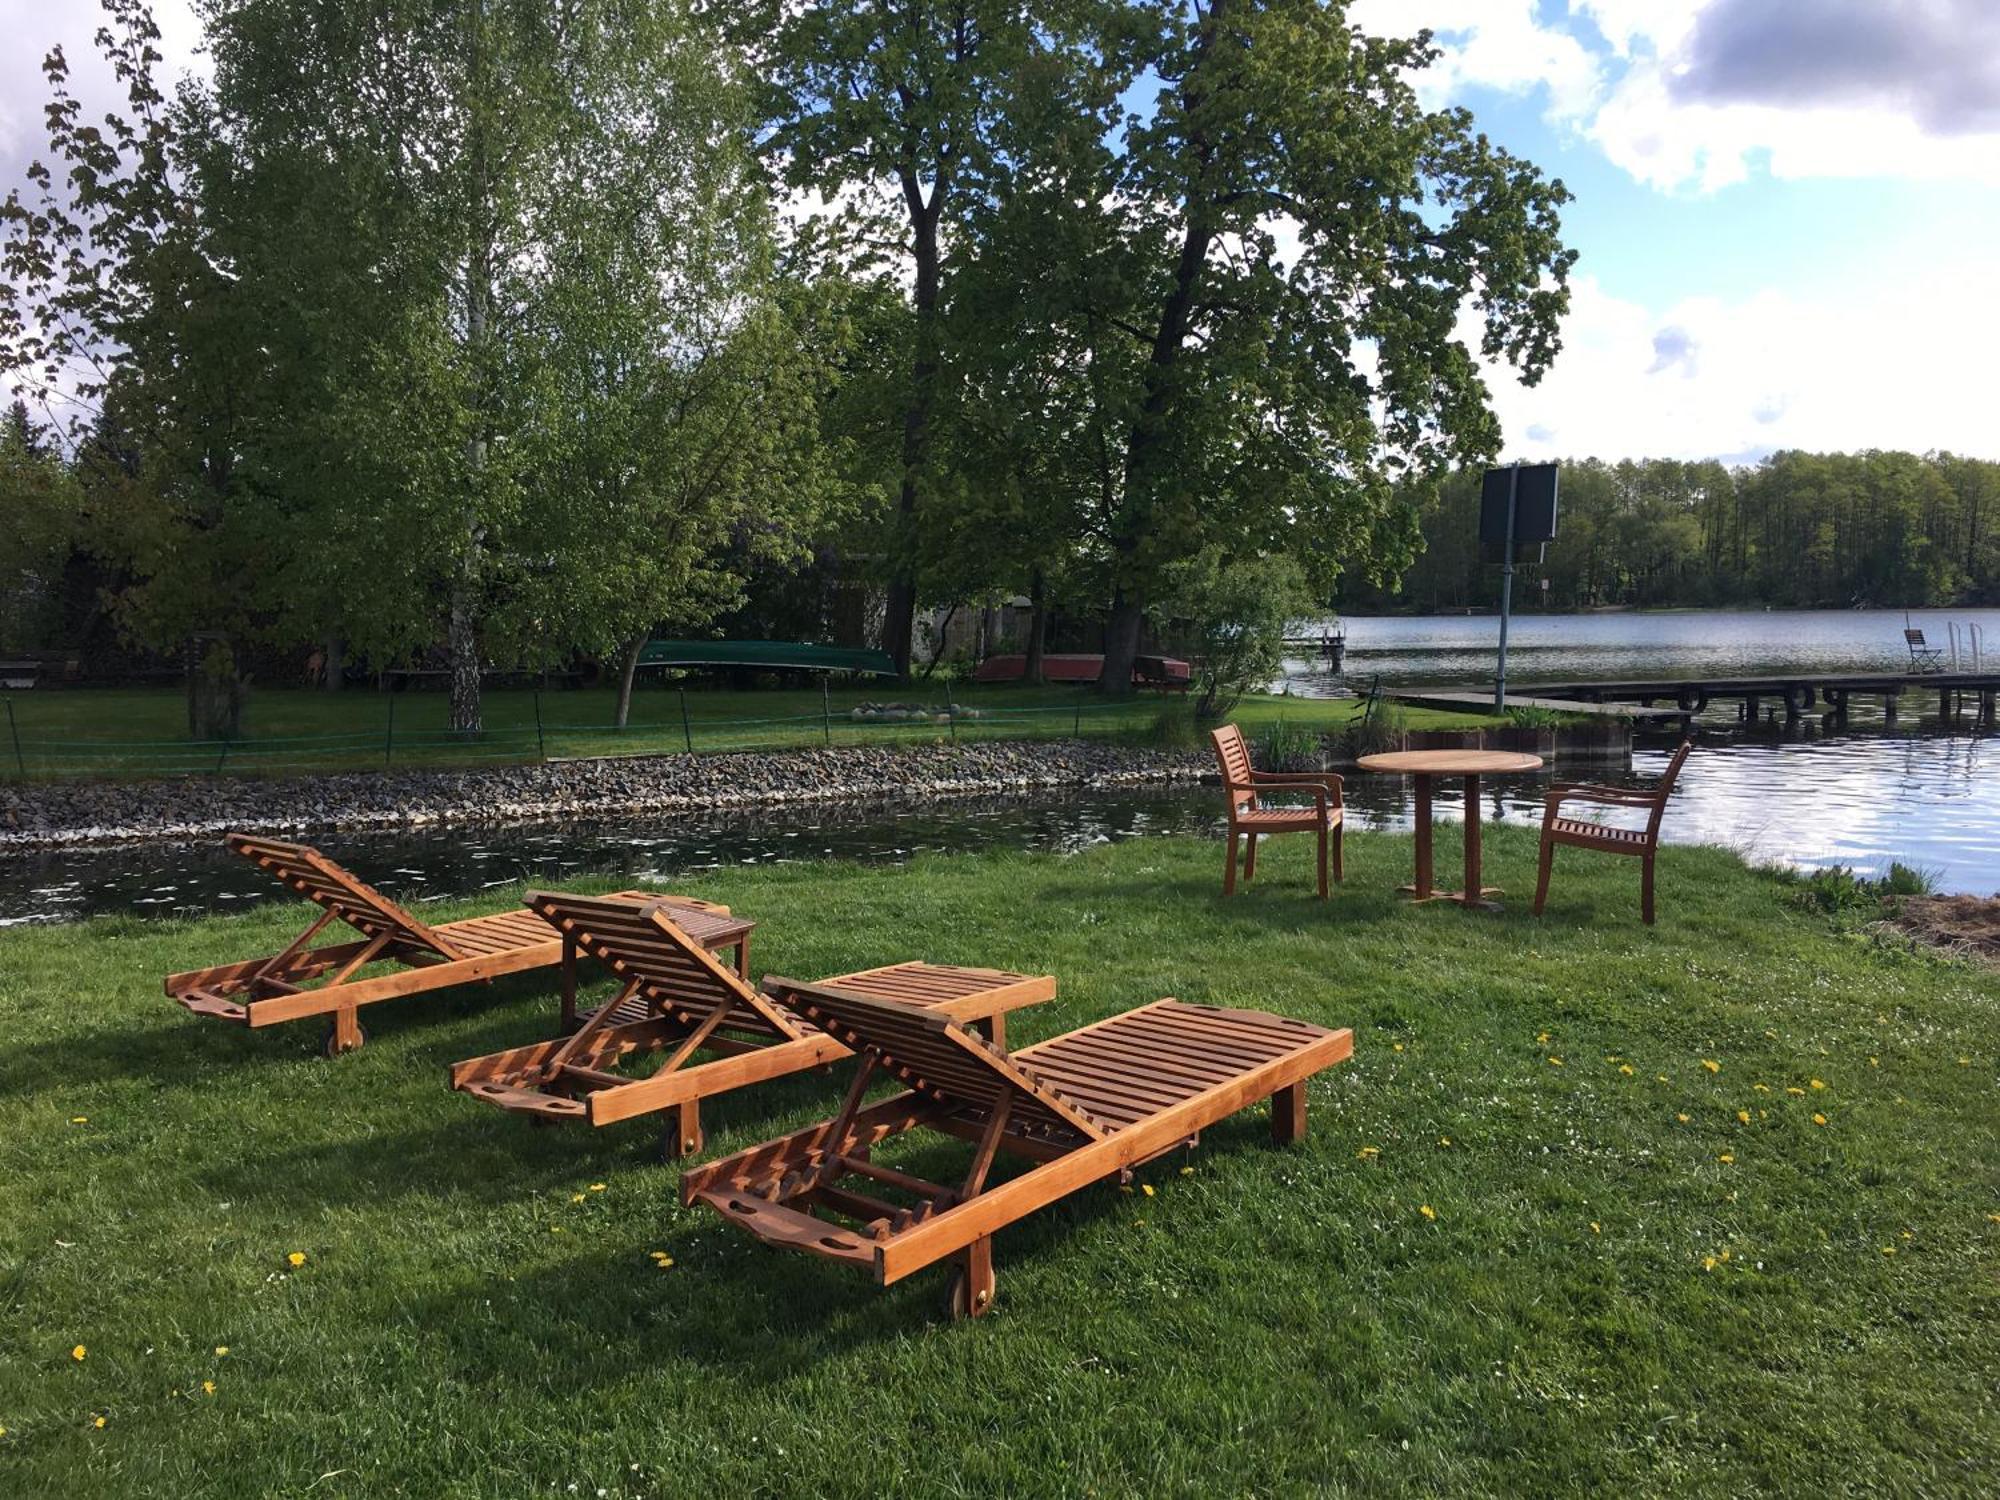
x=1810, y=794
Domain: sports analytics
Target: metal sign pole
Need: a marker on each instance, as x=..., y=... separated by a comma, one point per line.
x=1507, y=585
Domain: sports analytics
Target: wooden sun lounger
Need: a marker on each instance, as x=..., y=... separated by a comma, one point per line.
x=722, y=1033
x=1083, y=1106
x=278, y=988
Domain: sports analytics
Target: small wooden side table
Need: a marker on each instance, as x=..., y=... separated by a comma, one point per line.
x=1422, y=765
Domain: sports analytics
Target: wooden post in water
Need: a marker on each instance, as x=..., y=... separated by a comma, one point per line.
x=1890, y=703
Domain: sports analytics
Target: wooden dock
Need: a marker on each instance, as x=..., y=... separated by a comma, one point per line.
x=1798, y=692
x=1482, y=702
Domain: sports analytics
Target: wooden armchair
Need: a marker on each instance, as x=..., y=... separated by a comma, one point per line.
x=1250, y=818
x=1644, y=843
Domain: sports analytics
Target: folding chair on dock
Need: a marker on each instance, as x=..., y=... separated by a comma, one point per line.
x=718, y=1032
x=1084, y=1106
x=278, y=988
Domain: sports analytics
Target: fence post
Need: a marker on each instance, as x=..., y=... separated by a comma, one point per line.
x=14, y=730
x=389, y=740
x=222, y=757
x=541, y=745
x=950, y=713
x=687, y=732
x=826, y=708
x=1076, y=720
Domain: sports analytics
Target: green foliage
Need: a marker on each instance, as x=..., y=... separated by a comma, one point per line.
x=1230, y=615
x=1535, y=718
x=1286, y=745
x=1379, y=731
x=1835, y=529
x=1837, y=889
x=39, y=497
x=1175, y=727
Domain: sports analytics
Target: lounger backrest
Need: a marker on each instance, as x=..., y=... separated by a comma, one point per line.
x=1233, y=757
x=941, y=1059
x=353, y=900
x=640, y=940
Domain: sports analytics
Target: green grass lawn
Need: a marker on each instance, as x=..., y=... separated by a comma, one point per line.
x=143, y=731
x=1568, y=1222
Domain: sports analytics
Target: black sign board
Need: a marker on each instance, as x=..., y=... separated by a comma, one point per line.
x=1534, y=487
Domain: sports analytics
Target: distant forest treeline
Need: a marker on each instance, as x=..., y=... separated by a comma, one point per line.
x=1800, y=529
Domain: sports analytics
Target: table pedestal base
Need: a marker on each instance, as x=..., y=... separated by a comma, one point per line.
x=1477, y=903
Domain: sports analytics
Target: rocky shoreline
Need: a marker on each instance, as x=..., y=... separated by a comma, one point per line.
x=75, y=814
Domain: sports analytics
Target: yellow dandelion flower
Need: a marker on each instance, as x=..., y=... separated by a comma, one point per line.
x=78, y=1353
x=1965, y=1062
x=1908, y=1235
x=1397, y=1045
x=1555, y=1062
x=1711, y=1065
x=1626, y=1069
x=222, y=1351
x=1444, y=1140
x=1682, y=1118
x=664, y=1262
x=1874, y=1062
x=1187, y=1171
x=1742, y=1117
x=1762, y=1088
x=576, y=1197
x=1819, y=1119
x=1888, y=1249
x=1709, y=1262
x=1427, y=1211
x=597, y=1187
x=555, y=1229
x=1146, y=1188
x=208, y=1387
x=1368, y=1153
x=1727, y=1158
x=296, y=1259
x=97, y=1421
x=1595, y=1227
x=1125, y=1188
x=1542, y=1037
x=1795, y=1093
x=1660, y=1077
x=1993, y=1218
x=1816, y=1083
x=79, y=1119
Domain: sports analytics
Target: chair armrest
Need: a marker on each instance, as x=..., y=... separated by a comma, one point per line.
x=1617, y=796
x=1308, y=787
x=1299, y=780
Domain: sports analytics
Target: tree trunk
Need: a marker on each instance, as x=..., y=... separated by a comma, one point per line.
x=1121, y=645
x=462, y=645
x=627, y=671
x=1038, y=627
x=336, y=664
x=900, y=614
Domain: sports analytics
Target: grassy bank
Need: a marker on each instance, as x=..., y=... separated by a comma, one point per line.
x=1569, y=1221
x=143, y=732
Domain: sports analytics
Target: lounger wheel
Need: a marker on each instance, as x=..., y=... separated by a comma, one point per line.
x=333, y=1044
x=969, y=1293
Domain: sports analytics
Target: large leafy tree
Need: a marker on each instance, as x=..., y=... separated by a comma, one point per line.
x=901, y=117
x=514, y=276
x=1267, y=275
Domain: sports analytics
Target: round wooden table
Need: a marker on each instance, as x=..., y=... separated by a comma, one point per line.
x=1471, y=764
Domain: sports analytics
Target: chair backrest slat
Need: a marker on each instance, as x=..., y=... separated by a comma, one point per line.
x=1663, y=788
x=940, y=1058
x=1232, y=757
x=640, y=940
x=310, y=873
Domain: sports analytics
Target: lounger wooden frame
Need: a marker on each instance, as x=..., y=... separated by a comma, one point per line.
x=279, y=987
x=724, y=1035
x=1085, y=1106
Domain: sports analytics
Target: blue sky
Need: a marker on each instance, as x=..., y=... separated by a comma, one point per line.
x=1788, y=211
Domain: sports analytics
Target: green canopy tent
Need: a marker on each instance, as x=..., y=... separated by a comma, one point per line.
x=770, y=655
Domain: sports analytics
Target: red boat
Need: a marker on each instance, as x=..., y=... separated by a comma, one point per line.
x=1168, y=673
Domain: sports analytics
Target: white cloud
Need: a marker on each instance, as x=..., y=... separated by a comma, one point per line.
x=1497, y=44
x=1881, y=366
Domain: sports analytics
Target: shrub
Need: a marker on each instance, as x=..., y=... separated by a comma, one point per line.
x=1290, y=747
x=1231, y=613
x=1534, y=718
x=1383, y=728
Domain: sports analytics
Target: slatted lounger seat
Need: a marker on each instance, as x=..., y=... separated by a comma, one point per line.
x=268, y=991
x=717, y=1032
x=1083, y=1106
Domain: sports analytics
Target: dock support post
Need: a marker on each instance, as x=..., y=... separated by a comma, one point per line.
x=1944, y=705
x=1986, y=707
x=1750, y=709
x=1890, y=703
